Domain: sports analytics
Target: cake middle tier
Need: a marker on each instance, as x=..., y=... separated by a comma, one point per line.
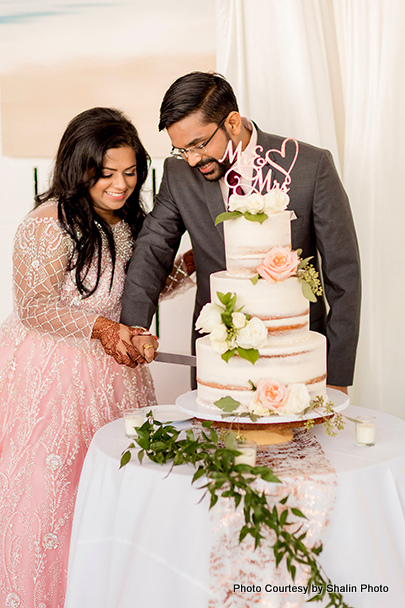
x=303, y=361
x=281, y=306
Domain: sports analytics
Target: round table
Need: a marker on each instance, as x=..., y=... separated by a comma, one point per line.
x=141, y=536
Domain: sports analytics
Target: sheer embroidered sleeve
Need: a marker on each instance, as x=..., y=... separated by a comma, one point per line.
x=181, y=278
x=41, y=254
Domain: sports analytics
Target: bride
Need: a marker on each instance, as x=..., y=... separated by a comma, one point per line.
x=67, y=366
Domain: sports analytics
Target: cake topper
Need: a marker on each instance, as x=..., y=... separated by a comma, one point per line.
x=258, y=170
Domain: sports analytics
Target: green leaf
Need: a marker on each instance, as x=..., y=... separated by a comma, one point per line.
x=307, y=292
x=214, y=436
x=227, y=404
x=250, y=354
x=224, y=298
x=244, y=532
x=230, y=440
x=269, y=476
x=255, y=279
x=297, y=512
x=125, y=458
x=259, y=217
x=207, y=424
x=283, y=517
x=227, y=215
x=158, y=446
x=228, y=354
x=238, y=498
x=303, y=263
x=317, y=550
x=199, y=473
x=213, y=501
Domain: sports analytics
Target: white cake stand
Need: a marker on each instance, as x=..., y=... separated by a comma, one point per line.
x=188, y=404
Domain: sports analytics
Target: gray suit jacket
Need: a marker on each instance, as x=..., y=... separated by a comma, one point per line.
x=187, y=201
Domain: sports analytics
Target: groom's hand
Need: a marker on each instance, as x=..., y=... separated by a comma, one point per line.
x=145, y=343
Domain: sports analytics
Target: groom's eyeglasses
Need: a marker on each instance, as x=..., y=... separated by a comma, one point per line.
x=195, y=150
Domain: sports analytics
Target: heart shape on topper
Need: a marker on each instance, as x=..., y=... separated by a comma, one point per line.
x=282, y=153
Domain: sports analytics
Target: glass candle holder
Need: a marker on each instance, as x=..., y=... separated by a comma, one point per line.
x=365, y=431
x=248, y=452
x=133, y=418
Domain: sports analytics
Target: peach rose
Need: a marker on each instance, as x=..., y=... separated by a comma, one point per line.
x=271, y=394
x=278, y=264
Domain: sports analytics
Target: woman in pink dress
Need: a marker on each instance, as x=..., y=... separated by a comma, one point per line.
x=67, y=366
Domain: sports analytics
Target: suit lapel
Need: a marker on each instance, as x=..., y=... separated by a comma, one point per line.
x=214, y=200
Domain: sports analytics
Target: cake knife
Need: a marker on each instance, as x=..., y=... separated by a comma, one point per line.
x=176, y=358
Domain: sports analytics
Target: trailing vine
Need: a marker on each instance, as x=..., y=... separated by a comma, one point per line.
x=215, y=462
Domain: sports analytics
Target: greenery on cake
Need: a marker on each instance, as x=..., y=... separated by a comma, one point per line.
x=231, y=331
x=221, y=477
x=281, y=263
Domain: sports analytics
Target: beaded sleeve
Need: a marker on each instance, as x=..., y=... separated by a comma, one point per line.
x=181, y=278
x=40, y=259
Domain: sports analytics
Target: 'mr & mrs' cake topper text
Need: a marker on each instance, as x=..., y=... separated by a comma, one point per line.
x=257, y=171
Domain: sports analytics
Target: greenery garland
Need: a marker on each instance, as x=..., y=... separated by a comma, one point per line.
x=160, y=443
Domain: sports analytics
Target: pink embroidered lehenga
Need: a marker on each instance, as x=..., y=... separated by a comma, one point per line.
x=57, y=388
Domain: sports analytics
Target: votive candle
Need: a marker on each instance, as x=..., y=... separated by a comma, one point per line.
x=248, y=455
x=133, y=419
x=365, y=431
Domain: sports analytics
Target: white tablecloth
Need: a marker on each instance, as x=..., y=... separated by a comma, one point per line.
x=141, y=539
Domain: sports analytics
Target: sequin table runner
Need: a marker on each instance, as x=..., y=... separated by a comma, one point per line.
x=241, y=577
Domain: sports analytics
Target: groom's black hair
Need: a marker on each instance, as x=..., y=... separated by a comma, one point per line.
x=207, y=92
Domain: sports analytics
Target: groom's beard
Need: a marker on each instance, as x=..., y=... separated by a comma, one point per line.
x=217, y=171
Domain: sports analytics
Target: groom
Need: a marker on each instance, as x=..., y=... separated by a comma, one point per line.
x=200, y=113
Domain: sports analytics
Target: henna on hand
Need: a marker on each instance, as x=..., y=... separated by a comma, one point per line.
x=116, y=341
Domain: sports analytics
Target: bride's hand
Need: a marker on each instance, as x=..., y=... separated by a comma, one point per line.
x=116, y=341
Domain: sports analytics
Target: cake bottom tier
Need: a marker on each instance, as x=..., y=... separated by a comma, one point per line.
x=303, y=361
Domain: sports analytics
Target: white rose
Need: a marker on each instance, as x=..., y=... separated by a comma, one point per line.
x=255, y=203
x=219, y=347
x=276, y=200
x=218, y=338
x=238, y=320
x=253, y=335
x=298, y=399
x=209, y=317
x=219, y=333
x=255, y=407
x=237, y=203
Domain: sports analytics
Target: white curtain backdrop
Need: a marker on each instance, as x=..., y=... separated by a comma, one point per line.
x=331, y=72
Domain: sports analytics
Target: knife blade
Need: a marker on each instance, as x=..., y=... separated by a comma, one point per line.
x=176, y=358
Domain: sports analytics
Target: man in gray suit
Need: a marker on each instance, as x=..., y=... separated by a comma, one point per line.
x=200, y=113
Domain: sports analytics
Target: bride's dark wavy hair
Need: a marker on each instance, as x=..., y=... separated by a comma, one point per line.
x=78, y=166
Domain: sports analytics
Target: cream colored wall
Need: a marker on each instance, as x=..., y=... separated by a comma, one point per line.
x=38, y=102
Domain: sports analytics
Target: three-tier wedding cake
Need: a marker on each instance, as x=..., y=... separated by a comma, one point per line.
x=259, y=355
